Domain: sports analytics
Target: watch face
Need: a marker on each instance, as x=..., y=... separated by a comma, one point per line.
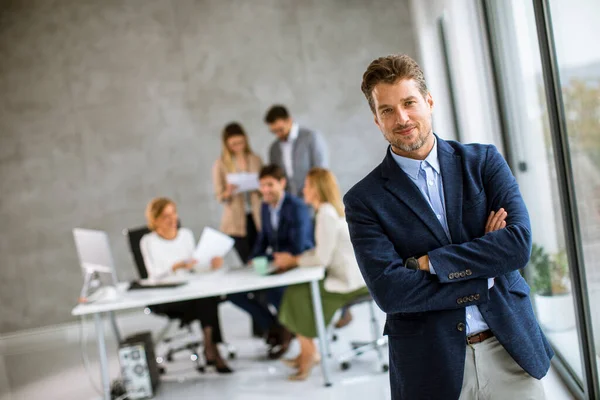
x=412, y=263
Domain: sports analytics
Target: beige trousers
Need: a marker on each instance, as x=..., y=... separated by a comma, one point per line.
x=492, y=374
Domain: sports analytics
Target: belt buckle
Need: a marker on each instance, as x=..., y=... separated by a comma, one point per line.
x=477, y=335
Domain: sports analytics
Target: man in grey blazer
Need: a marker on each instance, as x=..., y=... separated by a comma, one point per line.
x=296, y=150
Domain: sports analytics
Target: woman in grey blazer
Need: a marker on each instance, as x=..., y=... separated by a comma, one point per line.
x=241, y=211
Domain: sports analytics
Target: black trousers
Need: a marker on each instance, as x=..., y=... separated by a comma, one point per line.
x=204, y=310
x=244, y=244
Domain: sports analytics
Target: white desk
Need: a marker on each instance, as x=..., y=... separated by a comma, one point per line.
x=202, y=285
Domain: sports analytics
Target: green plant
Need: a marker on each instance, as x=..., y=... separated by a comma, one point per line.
x=550, y=273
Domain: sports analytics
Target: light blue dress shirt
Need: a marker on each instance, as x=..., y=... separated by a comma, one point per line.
x=274, y=213
x=426, y=174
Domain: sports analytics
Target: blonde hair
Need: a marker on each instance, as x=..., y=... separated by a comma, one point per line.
x=155, y=208
x=231, y=130
x=327, y=188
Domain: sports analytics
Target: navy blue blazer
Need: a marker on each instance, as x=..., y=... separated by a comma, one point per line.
x=294, y=234
x=390, y=220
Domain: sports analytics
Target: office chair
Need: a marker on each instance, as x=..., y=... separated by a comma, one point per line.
x=134, y=237
x=359, y=348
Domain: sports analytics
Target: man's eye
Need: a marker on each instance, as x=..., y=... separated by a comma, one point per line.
x=409, y=103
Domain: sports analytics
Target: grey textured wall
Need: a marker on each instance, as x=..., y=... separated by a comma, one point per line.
x=105, y=104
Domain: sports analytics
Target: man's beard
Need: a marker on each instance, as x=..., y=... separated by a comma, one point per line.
x=408, y=147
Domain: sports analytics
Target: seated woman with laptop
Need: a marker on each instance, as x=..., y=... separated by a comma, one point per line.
x=168, y=250
x=343, y=281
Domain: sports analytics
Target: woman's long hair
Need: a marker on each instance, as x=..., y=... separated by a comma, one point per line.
x=232, y=129
x=327, y=188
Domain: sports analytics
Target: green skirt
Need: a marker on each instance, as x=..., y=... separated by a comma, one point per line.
x=296, y=310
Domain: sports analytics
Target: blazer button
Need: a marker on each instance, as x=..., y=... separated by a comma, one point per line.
x=468, y=272
x=462, y=274
x=451, y=275
x=459, y=300
x=471, y=298
x=460, y=327
x=477, y=296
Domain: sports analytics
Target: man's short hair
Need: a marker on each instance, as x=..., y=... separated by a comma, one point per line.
x=276, y=112
x=391, y=69
x=271, y=171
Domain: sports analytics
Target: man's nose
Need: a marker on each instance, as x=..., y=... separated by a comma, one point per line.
x=402, y=116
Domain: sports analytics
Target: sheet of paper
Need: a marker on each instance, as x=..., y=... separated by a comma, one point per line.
x=245, y=181
x=212, y=244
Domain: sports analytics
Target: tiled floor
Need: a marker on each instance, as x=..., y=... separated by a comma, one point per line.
x=48, y=365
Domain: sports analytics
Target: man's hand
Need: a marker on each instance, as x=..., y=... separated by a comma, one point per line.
x=285, y=261
x=496, y=221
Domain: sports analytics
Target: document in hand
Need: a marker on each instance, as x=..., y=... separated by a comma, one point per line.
x=245, y=181
x=212, y=244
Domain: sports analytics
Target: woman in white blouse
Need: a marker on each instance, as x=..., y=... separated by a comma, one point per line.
x=168, y=250
x=343, y=281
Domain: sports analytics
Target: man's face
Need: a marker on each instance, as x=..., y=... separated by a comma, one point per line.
x=272, y=189
x=281, y=128
x=403, y=116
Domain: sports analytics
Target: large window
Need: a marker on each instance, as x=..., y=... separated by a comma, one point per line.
x=520, y=70
x=574, y=25
x=525, y=85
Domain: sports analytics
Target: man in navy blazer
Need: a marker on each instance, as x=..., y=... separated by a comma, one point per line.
x=440, y=232
x=286, y=227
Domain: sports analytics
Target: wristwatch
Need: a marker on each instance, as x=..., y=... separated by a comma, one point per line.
x=412, y=263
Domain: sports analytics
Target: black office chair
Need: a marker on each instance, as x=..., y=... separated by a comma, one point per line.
x=134, y=237
x=377, y=341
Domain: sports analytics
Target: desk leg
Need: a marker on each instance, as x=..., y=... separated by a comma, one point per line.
x=323, y=340
x=103, y=357
x=115, y=327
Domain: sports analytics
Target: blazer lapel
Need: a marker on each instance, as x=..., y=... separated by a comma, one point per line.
x=401, y=186
x=452, y=180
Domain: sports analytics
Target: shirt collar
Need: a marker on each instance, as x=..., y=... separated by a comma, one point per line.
x=293, y=133
x=411, y=167
x=279, y=203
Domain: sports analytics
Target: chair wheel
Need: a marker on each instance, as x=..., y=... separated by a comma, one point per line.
x=232, y=355
x=345, y=366
x=162, y=370
x=200, y=369
x=385, y=368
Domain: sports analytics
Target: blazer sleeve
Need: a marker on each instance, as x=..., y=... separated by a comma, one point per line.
x=261, y=244
x=495, y=253
x=219, y=180
x=301, y=228
x=319, y=151
x=394, y=288
x=325, y=240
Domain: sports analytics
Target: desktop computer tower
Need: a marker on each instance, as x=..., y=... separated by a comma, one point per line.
x=138, y=366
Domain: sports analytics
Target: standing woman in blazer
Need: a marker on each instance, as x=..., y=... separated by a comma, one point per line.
x=343, y=280
x=241, y=212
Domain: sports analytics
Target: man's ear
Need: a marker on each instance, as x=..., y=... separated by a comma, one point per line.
x=283, y=182
x=376, y=120
x=429, y=100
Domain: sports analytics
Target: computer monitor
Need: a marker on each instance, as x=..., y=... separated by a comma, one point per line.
x=95, y=259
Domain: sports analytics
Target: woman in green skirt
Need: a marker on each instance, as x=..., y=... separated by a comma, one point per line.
x=343, y=281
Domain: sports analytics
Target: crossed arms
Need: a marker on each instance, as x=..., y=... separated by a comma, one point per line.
x=399, y=290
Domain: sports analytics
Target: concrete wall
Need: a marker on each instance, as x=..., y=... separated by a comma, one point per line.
x=105, y=104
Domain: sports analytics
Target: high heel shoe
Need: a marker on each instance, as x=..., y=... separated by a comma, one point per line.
x=213, y=363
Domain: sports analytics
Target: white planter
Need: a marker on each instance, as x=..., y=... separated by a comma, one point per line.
x=555, y=313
